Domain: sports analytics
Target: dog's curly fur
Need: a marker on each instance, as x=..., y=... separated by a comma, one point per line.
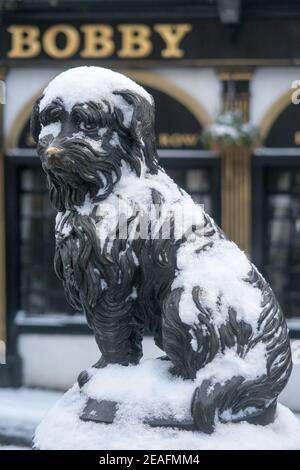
x=123, y=285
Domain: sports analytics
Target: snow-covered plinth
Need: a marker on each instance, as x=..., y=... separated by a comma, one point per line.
x=145, y=391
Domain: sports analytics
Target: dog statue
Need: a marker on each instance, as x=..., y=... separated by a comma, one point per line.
x=175, y=272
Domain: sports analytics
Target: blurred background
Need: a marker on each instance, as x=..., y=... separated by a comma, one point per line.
x=212, y=66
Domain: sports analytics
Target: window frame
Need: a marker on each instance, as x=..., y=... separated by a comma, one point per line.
x=180, y=159
x=262, y=160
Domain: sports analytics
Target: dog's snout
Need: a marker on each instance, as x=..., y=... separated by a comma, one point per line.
x=53, y=151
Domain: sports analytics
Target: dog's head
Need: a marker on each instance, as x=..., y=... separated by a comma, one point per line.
x=87, y=124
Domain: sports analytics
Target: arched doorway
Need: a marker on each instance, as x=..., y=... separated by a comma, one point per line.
x=178, y=123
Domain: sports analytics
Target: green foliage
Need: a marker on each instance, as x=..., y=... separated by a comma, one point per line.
x=230, y=130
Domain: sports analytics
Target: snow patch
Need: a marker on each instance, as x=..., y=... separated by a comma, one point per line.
x=228, y=364
x=22, y=409
x=51, y=129
x=87, y=207
x=134, y=193
x=149, y=390
x=97, y=84
x=220, y=272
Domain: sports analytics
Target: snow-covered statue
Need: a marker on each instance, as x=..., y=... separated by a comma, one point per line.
x=134, y=251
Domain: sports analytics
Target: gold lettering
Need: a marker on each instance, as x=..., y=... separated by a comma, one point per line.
x=135, y=41
x=72, y=41
x=178, y=140
x=98, y=41
x=163, y=140
x=172, y=34
x=297, y=137
x=25, y=42
x=190, y=140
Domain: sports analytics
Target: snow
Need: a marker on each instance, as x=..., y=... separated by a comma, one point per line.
x=158, y=391
x=13, y=448
x=220, y=272
x=22, y=409
x=54, y=128
x=221, y=130
x=115, y=141
x=230, y=126
x=148, y=390
x=97, y=84
x=134, y=193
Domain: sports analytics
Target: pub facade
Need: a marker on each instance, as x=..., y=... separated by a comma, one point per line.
x=197, y=61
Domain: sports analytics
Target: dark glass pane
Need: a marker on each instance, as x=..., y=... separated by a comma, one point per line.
x=41, y=291
x=31, y=230
x=282, y=243
x=280, y=231
x=177, y=175
x=278, y=180
x=32, y=205
x=205, y=200
x=277, y=257
x=295, y=210
x=279, y=282
x=32, y=253
x=197, y=180
x=296, y=185
x=280, y=205
x=33, y=180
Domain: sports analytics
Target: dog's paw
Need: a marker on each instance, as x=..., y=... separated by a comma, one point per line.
x=175, y=371
x=83, y=378
x=101, y=363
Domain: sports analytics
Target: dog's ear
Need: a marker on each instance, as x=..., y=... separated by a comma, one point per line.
x=141, y=126
x=35, y=124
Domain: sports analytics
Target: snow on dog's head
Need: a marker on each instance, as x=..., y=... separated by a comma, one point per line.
x=84, y=84
x=88, y=121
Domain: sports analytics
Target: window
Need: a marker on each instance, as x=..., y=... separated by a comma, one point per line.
x=200, y=177
x=282, y=236
x=197, y=182
x=40, y=289
x=276, y=226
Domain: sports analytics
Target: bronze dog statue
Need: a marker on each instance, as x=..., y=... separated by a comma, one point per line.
x=195, y=290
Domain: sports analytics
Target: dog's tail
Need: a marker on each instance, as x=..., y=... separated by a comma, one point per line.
x=242, y=397
x=249, y=399
x=235, y=400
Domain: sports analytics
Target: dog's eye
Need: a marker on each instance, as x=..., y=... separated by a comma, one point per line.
x=49, y=116
x=89, y=126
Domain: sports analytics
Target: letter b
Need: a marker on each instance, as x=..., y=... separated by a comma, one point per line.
x=25, y=42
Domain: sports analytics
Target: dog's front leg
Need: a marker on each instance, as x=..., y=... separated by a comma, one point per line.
x=118, y=333
x=118, y=336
